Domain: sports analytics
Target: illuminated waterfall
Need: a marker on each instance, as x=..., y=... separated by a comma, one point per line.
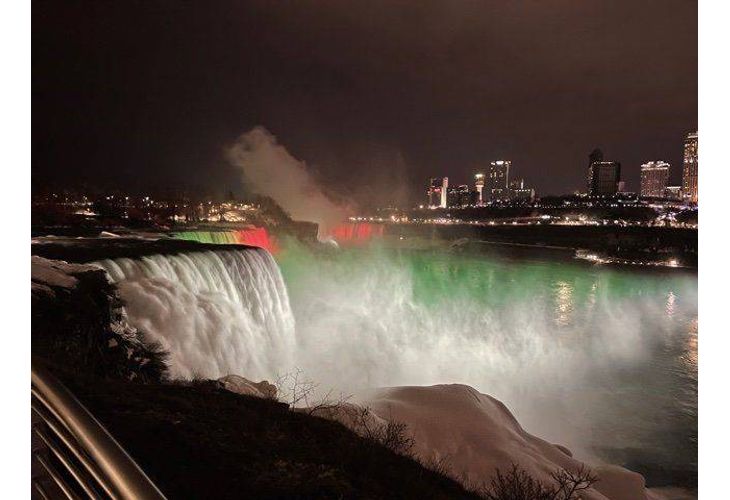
x=356, y=233
x=553, y=341
x=255, y=236
x=216, y=312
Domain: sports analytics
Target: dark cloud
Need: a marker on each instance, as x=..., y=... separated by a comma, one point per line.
x=372, y=95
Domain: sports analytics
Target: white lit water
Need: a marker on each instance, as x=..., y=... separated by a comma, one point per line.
x=598, y=359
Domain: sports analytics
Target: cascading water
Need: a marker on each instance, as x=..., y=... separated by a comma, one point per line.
x=356, y=233
x=584, y=356
x=216, y=312
x=255, y=236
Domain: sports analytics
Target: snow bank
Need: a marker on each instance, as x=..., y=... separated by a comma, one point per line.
x=46, y=274
x=244, y=386
x=476, y=434
x=357, y=418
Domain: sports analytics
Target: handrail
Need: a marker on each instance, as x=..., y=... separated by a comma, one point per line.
x=101, y=463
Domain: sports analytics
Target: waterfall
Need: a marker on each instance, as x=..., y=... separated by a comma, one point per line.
x=254, y=236
x=578, y=353
x=216, y=312
x=356, y=233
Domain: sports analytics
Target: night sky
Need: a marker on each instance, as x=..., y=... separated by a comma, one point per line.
x=375, y=96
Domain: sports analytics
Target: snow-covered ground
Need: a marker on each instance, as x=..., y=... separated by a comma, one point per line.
x=472, y=435
x=475, y=434
x=45, y=274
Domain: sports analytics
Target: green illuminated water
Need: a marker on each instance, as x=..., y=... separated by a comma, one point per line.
x=215, y=237
x=599, y=359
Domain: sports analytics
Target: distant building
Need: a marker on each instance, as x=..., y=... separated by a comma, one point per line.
x=459, y=196
x=673, y=193
x=479, y=184
x=603, y=176
x=444, y=192
x=518, y=191
x=689, y=172
x=654, y=179
x=595, y=157
x=433, y=191
x=498, y=180
x=437, y=191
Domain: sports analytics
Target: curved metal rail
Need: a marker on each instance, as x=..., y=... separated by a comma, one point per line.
x=81, y=458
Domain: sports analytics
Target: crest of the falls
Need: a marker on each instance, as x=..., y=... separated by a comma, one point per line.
x=216, y=312
x=253, y=236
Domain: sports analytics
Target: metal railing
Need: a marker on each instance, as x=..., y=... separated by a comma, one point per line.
x=78, y=454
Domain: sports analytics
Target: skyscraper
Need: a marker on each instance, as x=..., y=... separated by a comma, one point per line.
x=498, y=181
x=654, y=179
x=603, y=176
x=437, y=191
x=444, y=193
x=689, y=172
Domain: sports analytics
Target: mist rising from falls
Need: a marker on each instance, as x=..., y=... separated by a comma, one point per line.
x=566, y=347
x=271, y=170
x=216, y=312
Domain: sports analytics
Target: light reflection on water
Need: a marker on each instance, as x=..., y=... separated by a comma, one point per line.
x=564, y=303
x=671, y=298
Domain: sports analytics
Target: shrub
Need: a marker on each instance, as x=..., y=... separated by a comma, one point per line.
x=519, y=485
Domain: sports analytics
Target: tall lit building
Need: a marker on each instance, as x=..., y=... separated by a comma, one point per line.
x=437, y=191
x=498, y=180
x=479, y=183
x=689, y=172
x=444, y=193
x=603, y=176
x=595, y=156
x=654, y=179
x=431, y=191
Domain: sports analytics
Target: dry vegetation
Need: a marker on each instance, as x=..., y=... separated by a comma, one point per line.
x=298, y=392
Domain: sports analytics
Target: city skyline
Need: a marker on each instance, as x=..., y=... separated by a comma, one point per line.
x=604, y=177
x=676, y=178
x=494, y=183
